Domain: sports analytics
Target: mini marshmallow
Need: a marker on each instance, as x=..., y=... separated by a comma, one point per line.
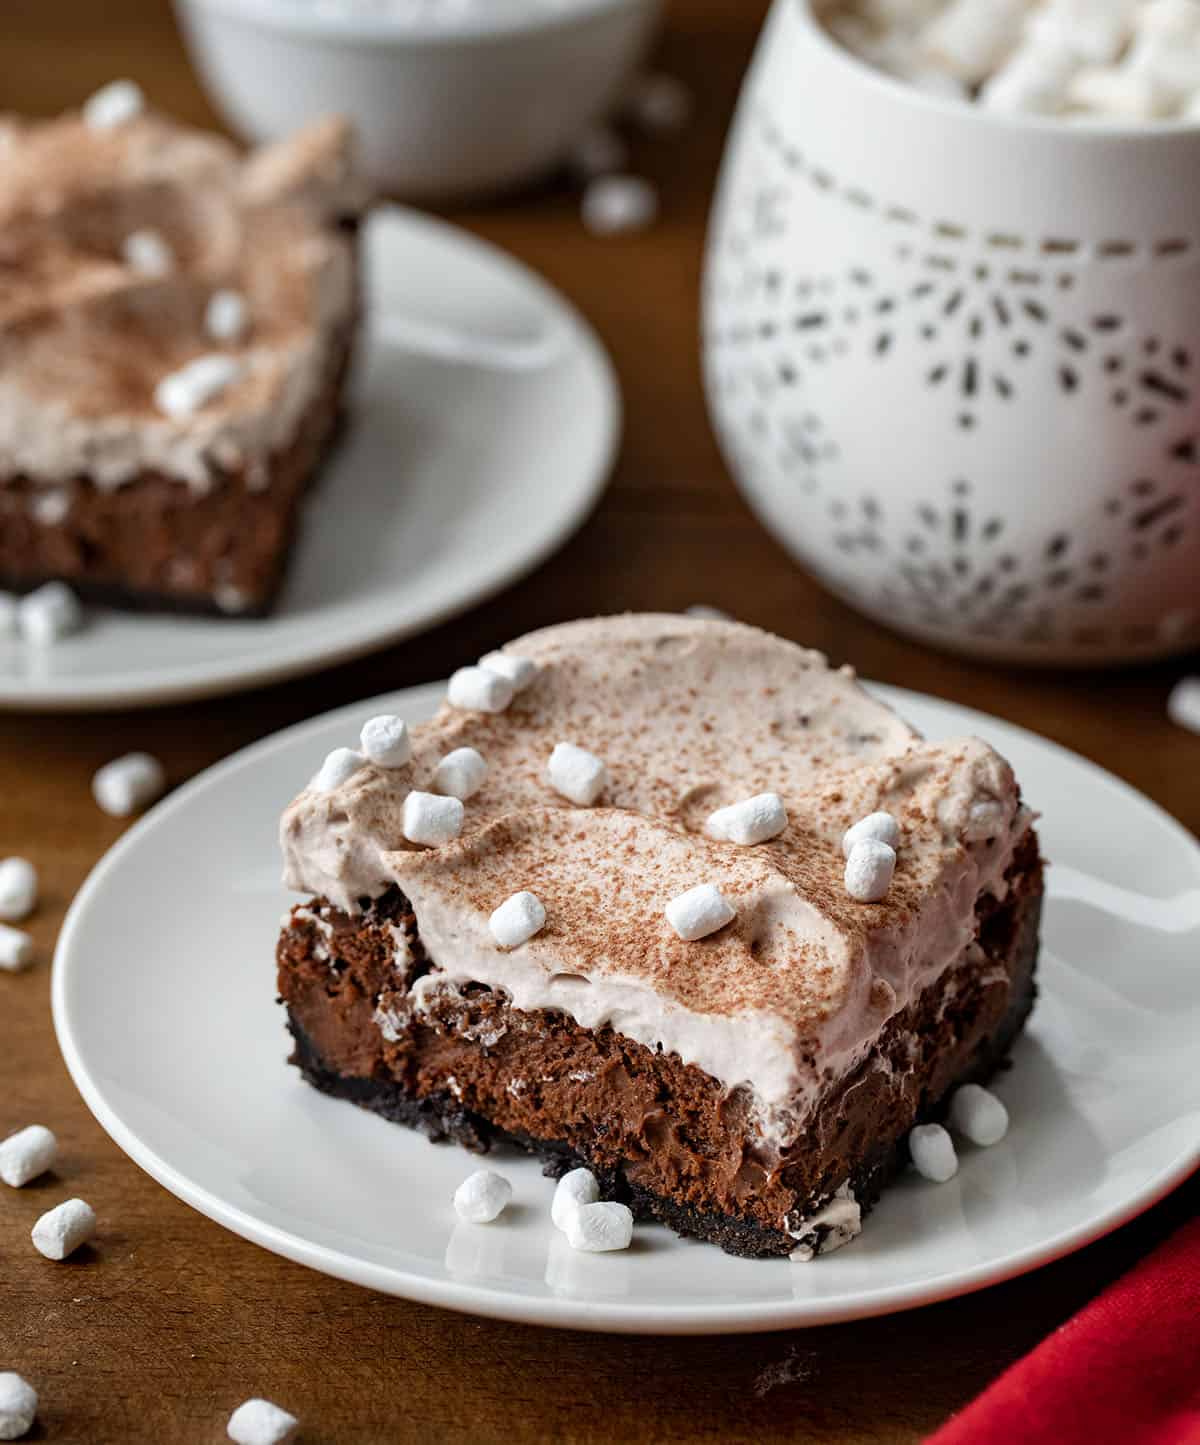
x=460, y=774
x=258, y=1422
x=932, y=1151
x=27, y=1154
x=517, y=920
x=16, y=949
x=869, y=870
x=753, y=820
x=1171, y=19
x=479, y=689
x=18, y=889
x=482, y=1196
x=128, y=783
x=1171, y=65
x=706, y=614
x=1094, y=32
x=48, y=614
x=576, y=774
x=520, y=671
x=659, y=103
x=596, y=1228
x=61, y=1231
x=1034, y=82
x=49, y=506
x=882, y=827
x=385, y=741
x=575, y=1189
x=699, y=912
x=112, y=105
x=1120, y=91
x=8, y=614
x=183, y=392
x=147, y=253
x=617, y=205
x=1183, y=705
x=599, y=152
x=978, y=1115
x=226, y=316
x=18, y=1406
x=430, y=821
x=972, y=37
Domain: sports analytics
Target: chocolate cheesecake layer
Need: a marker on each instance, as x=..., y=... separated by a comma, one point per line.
x=665, y=1136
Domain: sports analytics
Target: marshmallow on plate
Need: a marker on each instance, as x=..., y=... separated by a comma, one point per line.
x=753, y=820
x=18, y=889
x=460, y=774
x=113, y=104
x=430, y=820
x=932, y=1151
x=183, y=392
x=27, y=1154
x=479, y=689
x=517, y=920
x=385, y=741
x=61, y=1231
x=576, y=1188
x=258, y=1422
x=18, y=1406
x=869, y=870
x=597, y=1228
x=51, y=612
x=128, y=783
x=576, y=774
x=659, y=102
x=978, y=1115
x=699, y=912
x=16, y=949
x=482, y=1196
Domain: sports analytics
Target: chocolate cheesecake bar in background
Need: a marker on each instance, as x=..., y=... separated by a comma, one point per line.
x=754, y=1086
x=176, y=320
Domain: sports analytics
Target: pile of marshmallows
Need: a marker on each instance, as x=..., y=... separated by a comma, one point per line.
x=591, y=1224
x=1121, y=60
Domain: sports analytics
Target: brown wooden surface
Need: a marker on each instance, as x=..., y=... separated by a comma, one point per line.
x=169, y=1321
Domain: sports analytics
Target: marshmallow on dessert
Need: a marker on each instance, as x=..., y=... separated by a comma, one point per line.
x=753, y=820
x=16, y=949
x=258, y=1422
x=520, y=671
x=27, y=1154
x=479, y=689
x=385, y=741
x=18, y=1406
x=932, y=1151
x=614, y=205
x=576, y=1188
x=699, y=912
x=460, y=774
x=869, y=869
x=62, y=1230
x=148, y=253
x=881, y=827
x=597, y=1228
x=51, y=612
x=977, y=1114
x=114, y=104
x=482, y=1196
x=18, y=889
x=128, y=783
x=226, y=316
x=517, y=920
x=430, y=820
x=576, y=774
x=184, y=392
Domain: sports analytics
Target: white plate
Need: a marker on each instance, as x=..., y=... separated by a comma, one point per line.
x=453, y=480
x=178, y=1047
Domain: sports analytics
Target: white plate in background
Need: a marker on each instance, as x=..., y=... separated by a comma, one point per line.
x=178, y=1047
x=453, y=479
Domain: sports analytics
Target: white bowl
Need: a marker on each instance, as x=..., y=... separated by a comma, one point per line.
x=443, y=112
x=954, y=358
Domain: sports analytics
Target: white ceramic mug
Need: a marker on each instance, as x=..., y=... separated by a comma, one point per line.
x=953, y=358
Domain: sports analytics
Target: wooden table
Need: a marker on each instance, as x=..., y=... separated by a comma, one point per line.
x=170, y=1321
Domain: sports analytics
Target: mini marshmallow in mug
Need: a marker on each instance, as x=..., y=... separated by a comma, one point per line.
x=972, y=37
x=1033, y=82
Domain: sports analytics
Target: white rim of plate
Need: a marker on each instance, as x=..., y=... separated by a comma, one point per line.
x=592, y=1315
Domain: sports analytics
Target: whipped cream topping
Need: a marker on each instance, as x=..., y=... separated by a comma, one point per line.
x=690, y=716
x=85, y=337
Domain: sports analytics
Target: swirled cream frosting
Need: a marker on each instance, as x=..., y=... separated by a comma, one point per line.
x=688, y=716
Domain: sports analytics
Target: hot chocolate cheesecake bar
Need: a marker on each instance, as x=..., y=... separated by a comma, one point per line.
x=603, y=907
x=175, y=323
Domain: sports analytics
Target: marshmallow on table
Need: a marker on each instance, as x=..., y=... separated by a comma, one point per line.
x=881, y=827
x=128, y=783
x=753, y=820
x=520, y=671
x=517, y=920
x=599, y=152
x=699, y=912
x=659, y=103
x=977, y=1114
x=225, y=316
x=258, y=1422
x=574, y=1189
x=460, y=774
x=112, y=105
x=596, y=1228
x=1183, y=705
x=576, y=774
x=49, y=613
x=183, y=392
x=430, y=820
x=27, y=1154
x=479, y=689
x=148, y=253
x=932, y=1151
x=62, y=1230
x=482, y=1196
x=16, y=949
x=18, y=889
x=614, y=205
x=869, y=870
x=972, y=37
x=18, y=1406
x=386, y=742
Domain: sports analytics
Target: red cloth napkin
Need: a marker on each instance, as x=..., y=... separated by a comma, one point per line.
x=1125, y=1369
